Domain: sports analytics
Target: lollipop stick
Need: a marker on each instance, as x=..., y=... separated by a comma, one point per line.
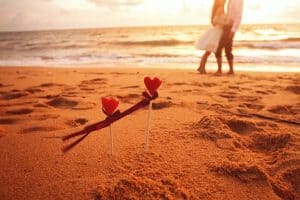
x=148, y=126
x=111, y=141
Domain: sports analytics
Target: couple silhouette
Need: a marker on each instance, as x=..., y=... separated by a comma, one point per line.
x=221, y=35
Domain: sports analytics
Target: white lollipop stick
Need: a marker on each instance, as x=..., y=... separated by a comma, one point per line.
x=148, y=127
x=111, y=141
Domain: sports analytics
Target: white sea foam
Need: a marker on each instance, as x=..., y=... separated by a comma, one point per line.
x=259, y=44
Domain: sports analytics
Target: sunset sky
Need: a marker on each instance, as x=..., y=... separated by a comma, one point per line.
x=57, y=14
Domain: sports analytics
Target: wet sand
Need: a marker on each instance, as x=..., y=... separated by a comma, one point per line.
x=228, y=137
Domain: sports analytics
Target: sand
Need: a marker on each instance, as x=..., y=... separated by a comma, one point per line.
x=228, y=137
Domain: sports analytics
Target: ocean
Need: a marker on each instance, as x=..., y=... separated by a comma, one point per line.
x=167, y=46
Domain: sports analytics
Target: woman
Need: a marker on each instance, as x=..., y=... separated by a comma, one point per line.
x=211, y=38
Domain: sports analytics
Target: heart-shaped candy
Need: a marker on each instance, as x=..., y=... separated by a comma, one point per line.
x=109, y=105
x=152, y=84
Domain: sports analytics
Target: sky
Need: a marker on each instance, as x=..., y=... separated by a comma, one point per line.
x=18, y=15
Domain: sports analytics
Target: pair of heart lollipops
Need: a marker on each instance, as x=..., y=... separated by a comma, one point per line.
x=110, y=108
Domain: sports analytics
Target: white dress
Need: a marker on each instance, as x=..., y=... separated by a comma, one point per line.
x=209, y=41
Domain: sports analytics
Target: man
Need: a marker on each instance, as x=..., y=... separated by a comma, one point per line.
x=234, y=13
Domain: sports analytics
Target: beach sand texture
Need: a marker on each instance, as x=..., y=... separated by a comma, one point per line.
x=228, y=137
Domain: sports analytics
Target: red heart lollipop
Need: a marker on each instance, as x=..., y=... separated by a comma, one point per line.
x=152, y=84
x=109, y=105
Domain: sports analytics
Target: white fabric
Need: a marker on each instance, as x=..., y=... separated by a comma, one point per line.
x=235, y=12
x=210, y=39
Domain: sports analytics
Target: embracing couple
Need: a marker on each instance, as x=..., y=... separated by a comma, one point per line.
x=220, y=36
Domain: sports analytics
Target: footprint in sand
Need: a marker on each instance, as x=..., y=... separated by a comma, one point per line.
x=178, y=83
x=241, y=171
x=234, y=87
x=50, y=96
x=34, y=90
x=250, y=98
x=40, y=105
x=131, y=87
x=24, y=103
x=77, y=122
x=284, y=109
x=12, y=95
x=96, y=81
x=263, y=92
x=293, y=88
x=187, y=91
x=268, y=142
x=129, y=98
x=253, y=106
x=241, y=126
x=62, y=103
x=86, y=84
x=46, y=85
x=86, y=88
x=8, y=121
x=70, y=89
x=38, y=129
x=46, y=117
x=205, y=84
x=67, y=92
x=228, y=95
x=161, y=105
x=21, y=111
x=286, y=184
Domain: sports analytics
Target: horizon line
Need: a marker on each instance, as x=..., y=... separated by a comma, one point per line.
x=133, y=26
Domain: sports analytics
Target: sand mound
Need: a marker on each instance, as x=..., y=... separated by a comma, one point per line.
x=22, y=111
x=62, y=103
x=269, y=142
x=145, y=188
x=212, y=128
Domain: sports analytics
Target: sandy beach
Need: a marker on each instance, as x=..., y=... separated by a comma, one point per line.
x=228, y=137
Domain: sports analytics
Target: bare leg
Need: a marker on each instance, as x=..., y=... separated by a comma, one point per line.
x=203, y=61
x=219, y=62
x=230, y=63
x=229, y=55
